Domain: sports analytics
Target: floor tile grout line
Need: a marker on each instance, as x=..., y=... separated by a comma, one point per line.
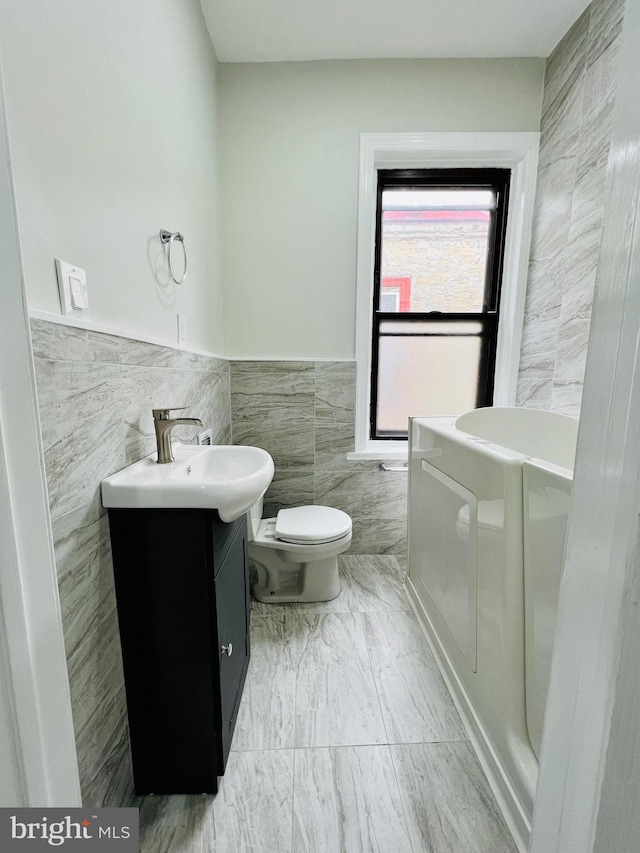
x=375, y=681
x=295, y=696
x=401, y=798
x=293, y=798
x=353, y=745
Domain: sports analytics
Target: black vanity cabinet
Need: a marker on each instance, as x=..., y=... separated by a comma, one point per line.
x=182, y=588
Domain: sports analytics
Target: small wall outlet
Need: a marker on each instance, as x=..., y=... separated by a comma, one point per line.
x=205, y=437
x=182, y=328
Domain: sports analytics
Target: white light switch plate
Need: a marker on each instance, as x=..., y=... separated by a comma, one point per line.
x=72, y=284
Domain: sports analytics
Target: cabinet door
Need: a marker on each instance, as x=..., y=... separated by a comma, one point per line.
x=162, y=577
x=232, y=608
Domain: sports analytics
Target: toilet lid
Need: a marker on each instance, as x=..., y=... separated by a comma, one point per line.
x=302, y=524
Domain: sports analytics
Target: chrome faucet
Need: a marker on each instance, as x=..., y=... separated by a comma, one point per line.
x=164, y=424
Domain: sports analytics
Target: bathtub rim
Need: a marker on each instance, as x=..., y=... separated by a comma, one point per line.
x=566, y=431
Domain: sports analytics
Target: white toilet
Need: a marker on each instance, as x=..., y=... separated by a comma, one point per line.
x=295, y=554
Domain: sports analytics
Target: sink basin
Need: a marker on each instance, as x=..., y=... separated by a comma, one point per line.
x=223, y=477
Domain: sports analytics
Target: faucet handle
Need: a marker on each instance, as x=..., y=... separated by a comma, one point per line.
x=163, y=414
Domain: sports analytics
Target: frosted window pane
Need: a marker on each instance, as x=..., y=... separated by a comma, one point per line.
x=424, y=376
x=435, y=242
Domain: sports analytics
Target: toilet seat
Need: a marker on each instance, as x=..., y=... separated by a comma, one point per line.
x=309, y=525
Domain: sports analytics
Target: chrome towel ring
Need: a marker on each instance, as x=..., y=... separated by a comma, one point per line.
x=169, y=237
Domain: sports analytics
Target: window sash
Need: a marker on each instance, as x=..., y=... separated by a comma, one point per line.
x=485, y=322
x=498, y=181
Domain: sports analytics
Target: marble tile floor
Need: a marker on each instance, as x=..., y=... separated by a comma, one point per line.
x=347, y=740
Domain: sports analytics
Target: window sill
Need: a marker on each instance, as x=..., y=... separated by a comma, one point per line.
x=380, y=451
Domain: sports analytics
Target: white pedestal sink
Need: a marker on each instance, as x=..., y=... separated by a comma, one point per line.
x=227, y=478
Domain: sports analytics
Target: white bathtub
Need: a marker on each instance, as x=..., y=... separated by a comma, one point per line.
x=467, y=571
x=546, y=497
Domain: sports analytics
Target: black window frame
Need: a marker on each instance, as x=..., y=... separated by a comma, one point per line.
x=458, y=178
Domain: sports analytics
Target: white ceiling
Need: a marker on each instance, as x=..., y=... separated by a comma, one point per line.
x=285, y=30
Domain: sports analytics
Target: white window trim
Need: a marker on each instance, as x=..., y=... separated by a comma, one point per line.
x=516, y=151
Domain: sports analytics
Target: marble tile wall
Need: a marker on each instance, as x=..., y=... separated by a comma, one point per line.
x=303, y=413
x=576, y=130
x=95, y=395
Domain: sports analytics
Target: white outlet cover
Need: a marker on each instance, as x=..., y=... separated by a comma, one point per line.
x=72, y=285
x=205, y=437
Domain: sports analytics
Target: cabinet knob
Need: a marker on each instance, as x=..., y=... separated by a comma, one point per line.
x=227, y=650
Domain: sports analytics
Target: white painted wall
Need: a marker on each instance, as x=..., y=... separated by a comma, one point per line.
x=112, y=116
x=289, y=142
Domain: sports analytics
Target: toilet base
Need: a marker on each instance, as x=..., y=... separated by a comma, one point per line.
x=280, y=582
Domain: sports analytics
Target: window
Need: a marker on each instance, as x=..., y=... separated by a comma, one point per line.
x=436, y=295
x=398, y=290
